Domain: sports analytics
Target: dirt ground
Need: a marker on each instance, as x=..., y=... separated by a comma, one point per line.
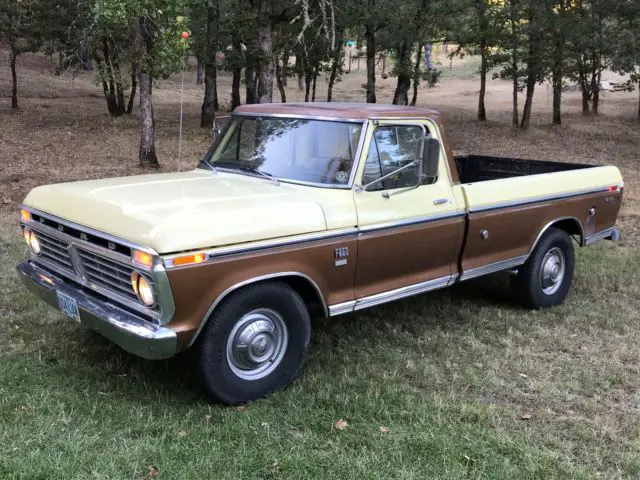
x=63, y=131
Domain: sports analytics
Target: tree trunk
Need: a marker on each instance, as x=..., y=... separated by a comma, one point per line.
x=336, y=63
x=119, y=88
x=250, y=85
x=308, y=81
x=557, y=96
x=134, y=84
x=299, y=68
x=235, y=88
x=403, y=67
x=144, y=41
x=315, y=78
x=482, y=112
x=416, y=74
x=513, y=16
x=200, y=73
x=280, y=83
x=533, y=60
x=147, y=154
x=285, y=67
x=596, y=91
x=639, y=99
x=265, y=42
x=14, y=78
x=481, y=6
x=208, y=113
x=210, y=100
x=370, y=36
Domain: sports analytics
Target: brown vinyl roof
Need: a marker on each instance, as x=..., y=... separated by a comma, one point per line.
x=347, y=111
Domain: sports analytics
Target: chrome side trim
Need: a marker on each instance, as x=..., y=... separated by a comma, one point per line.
x=612, y=233
x=88, y=230
x=553, y=222
x=493, y=267
x=403, y=292
x=543, y=198
x=411, y=221
x=235, y=287
x=277, y=242
x=340, y=308
x=134, y=334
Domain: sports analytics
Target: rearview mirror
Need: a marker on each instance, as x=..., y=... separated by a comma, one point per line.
x=430, y=158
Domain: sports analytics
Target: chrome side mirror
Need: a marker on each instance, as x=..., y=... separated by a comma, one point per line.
x=430, y=158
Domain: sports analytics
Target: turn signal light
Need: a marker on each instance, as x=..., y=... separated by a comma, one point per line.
x=614, y=188
x=189, y=259
x=142, y=258
x=25, y=215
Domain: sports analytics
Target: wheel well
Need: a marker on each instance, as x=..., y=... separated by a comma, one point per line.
x=572, y=226
x=308, y=291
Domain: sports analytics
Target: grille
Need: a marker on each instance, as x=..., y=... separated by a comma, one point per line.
x=107, y=273
x=54, y=250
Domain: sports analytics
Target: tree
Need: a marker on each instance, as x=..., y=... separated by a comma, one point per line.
x=156, y=50
x=21, y=23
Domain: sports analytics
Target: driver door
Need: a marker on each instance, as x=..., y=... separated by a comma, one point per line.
x=410, y=229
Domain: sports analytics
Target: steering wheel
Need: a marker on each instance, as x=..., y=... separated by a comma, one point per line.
x=333, y=167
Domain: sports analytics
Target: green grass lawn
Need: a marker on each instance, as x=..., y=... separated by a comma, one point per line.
x=464, y=384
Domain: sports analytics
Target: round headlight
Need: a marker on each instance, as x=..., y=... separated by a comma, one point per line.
x=31, y=240
x=143, y=289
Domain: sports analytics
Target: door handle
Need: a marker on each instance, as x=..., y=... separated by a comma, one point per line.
x=440, y=201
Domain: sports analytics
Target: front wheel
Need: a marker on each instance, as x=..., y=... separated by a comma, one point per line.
x=546, y=277
x=254, y=344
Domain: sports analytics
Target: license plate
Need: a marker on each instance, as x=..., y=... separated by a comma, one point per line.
x=68, y=306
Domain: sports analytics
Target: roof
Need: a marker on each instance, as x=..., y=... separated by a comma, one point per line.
x=337, y=110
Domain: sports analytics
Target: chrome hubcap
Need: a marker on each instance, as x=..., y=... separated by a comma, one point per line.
x=552, y=271
x=257, y=343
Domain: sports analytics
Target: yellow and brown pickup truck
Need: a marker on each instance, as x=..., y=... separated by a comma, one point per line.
x=300, y=208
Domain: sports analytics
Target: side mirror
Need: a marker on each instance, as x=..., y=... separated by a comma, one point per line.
x=430, y=157
x=215, y=131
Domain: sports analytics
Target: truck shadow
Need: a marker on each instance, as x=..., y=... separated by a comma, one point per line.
x=450, y=309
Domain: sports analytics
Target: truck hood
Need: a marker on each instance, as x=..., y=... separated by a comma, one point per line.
x=173, y=212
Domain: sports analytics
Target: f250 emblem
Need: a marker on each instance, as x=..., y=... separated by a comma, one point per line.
x=341, y=255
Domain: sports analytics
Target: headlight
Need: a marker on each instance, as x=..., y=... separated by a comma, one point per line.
x=31, y=240
x=143, y=289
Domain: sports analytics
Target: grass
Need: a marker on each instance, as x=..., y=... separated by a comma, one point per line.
x=463, y=382
x=468, y=385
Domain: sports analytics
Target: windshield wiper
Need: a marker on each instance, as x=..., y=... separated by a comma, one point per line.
x=249, y=169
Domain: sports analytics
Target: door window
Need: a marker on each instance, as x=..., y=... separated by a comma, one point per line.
x=393, y=147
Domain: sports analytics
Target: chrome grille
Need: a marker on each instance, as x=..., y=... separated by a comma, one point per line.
x=54, y=250
x=107, y=273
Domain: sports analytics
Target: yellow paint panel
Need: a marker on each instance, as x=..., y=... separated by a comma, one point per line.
x=527, y=188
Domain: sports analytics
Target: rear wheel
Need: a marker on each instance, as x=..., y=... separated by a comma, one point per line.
x=254, y=344
x=545, y=279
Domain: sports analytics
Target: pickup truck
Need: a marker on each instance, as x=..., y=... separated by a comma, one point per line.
x=300, y=210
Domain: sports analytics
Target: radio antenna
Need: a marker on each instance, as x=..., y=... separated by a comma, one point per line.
x=184, y=38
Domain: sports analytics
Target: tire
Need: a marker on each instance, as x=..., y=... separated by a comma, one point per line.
x=254, y=344
x=545, y=279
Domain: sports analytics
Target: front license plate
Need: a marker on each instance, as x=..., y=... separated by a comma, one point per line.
x=69, y=306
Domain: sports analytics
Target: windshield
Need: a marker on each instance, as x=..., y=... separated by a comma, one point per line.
x=303, y=150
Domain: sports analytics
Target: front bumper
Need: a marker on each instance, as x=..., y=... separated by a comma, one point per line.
x=131, y=332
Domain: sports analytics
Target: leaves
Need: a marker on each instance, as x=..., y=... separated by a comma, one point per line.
x=341, y=424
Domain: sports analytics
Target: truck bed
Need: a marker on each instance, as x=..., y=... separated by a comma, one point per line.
x=480, y=168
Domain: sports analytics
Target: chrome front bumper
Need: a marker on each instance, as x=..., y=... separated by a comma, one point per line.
x=131, y=332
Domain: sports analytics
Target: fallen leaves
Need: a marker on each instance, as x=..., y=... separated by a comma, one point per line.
x=384, y=429
x=525, y=416
x=153, y=473
x=341, y=424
